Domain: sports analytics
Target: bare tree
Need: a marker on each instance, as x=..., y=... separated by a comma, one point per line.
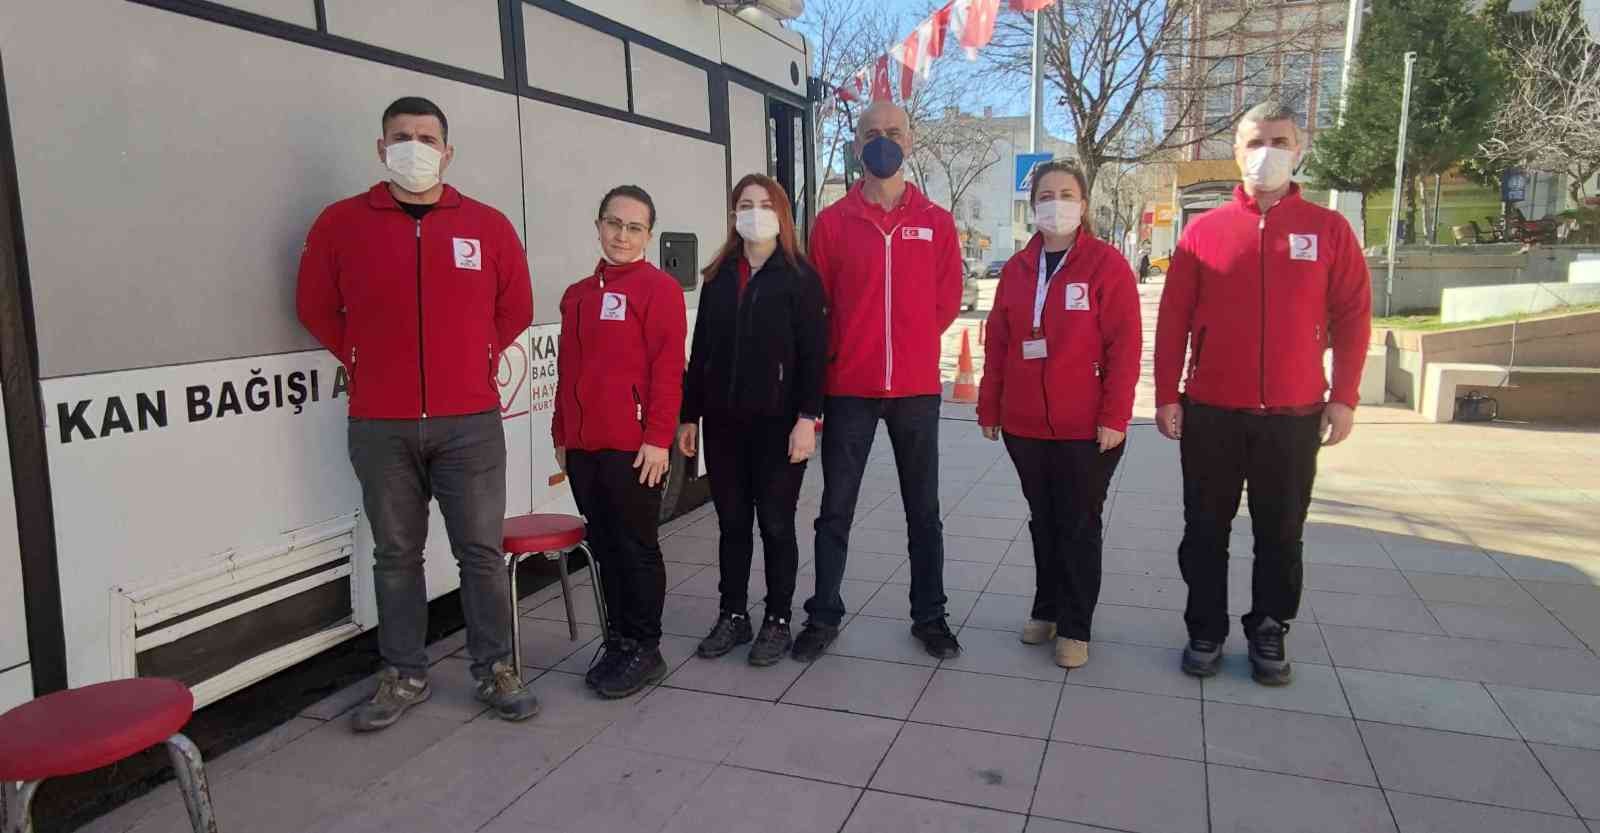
x=845, y=36
x=1174, y=64
x=1550, y=120
x=951, y=155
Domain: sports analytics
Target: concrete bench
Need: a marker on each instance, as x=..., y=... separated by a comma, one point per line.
x=1524, y=393
x=1374, y=374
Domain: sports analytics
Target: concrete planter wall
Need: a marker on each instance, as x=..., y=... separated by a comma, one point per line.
x=1422, y=274
x=1562, y=341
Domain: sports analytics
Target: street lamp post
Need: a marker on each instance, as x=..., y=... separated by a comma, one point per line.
x=1399, y=184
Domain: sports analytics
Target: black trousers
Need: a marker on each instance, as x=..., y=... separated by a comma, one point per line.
x=1065, y=482
x=1222, y=450
x=622, y=516
x=753, y=481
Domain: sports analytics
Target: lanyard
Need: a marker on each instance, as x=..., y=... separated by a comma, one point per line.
x=1043, y=288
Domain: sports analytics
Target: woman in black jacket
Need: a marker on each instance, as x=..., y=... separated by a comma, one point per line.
x=755, y=376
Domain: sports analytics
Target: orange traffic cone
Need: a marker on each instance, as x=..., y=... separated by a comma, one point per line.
x=966, y=386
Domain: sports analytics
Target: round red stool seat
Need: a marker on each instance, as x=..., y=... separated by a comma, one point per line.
x=80, y=729
x=542, y=533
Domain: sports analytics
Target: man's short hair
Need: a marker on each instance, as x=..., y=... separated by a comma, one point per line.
x=1271, y=110
x=413, y=105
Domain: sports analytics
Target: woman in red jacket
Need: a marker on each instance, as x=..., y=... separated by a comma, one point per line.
x=620, y=386
x=1060, y=366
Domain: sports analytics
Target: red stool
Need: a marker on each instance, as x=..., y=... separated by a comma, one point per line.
x=80, y=729
x=553, y=536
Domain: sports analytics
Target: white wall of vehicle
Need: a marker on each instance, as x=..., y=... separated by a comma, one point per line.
x=461, y=33
x=138, y=223
x=298, y=12
x=13, y=622
x=770, y=56
x=668, y=89
x=747, y=114
x=689, y=25
x=574, y=60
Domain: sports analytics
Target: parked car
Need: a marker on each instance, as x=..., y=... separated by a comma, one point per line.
x=995, y=267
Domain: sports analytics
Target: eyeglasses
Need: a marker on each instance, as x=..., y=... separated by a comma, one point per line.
x=616, y=226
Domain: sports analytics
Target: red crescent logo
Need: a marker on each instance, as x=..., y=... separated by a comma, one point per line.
x=613, y=303
x=1301, y=243
x=470, y=249
x=1077, y=292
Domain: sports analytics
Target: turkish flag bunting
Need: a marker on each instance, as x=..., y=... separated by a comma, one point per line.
x=1030, y=5
x=974, y=23
x=880, y=79
x=919, y=50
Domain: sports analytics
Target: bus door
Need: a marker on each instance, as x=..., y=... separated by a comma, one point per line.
x=787, y=143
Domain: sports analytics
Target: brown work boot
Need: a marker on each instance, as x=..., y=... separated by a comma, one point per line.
x=395, y=694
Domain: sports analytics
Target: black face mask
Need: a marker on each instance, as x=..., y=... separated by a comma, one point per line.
x=882, y=157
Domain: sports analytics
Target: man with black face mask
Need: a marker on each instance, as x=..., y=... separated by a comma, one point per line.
x=890, y=264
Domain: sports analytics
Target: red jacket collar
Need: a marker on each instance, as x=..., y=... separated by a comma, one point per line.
x=608, y=272
x=379, y=196
x=1036, y=243
x=859, y=205
x=1248, y=202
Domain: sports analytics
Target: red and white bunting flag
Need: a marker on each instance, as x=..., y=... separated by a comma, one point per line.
x=855, y=87
x=974, y=23
x=881, y=87
x=919, y=50
x=1030, y=5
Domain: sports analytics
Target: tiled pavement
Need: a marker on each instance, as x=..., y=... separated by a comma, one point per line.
x=1446, y=680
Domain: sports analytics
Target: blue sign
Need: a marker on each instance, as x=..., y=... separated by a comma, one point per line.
x=1513, y=185
x=1026, y=162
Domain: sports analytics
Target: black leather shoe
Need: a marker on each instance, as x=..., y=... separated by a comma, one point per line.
x=636, y=669
x=813, y=640
x=1202, y=658
x=611, y=653
x=772, y=643
x=731, y=629
x=937, y=639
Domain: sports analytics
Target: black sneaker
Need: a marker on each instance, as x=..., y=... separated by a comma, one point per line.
x=772, y=643
x=612, y=653
x=1202, y=658
x=395, y=695
x=638, y=667
x=505, y=691
x=937, y=639
x=731, y=629
x=813, y=640
x=1269, y=660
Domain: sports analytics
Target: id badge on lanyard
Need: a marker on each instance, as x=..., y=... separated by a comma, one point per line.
x=1035, y=348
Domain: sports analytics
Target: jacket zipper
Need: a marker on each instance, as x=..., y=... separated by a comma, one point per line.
x=494, y=381
x=638, y=406
x=1199, y=347
x=577, y=333
x=888, y=308
x=352, y=372
x=1261, y=246
x=739, y=313
x=422, y=374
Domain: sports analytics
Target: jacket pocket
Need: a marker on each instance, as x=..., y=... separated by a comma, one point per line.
x=1199, y=348
x=638, y=406
x=494, y=378
x=351, y=382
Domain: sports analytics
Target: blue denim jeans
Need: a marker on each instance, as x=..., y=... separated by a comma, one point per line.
x=402, y=465
x=849, y=424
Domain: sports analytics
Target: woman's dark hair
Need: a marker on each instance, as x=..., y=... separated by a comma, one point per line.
x=632, y=192
x=1070, y=170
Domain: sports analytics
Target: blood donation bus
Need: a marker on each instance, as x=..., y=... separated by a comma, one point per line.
x=175, y=495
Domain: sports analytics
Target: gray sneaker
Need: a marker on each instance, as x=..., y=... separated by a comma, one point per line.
x=1202, y=658
x=395, y=695
x=1269, y=659
x=505, y=691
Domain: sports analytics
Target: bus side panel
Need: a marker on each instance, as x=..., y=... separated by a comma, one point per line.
x=16, y=679
x=169, y=168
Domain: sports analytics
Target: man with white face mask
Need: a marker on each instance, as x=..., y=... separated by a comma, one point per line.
x=417, y=289
x=1258, y=290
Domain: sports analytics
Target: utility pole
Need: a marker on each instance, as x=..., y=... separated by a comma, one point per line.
x=1399, y=184
x=1036, y=88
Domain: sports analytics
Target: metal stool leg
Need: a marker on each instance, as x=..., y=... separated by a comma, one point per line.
x=192, y=779
x=516, y=615
x=566, y=594
x=599, y=594
x=14, y=802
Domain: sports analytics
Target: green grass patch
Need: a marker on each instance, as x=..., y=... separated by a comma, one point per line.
x=1459, y=203
x=1429, y=322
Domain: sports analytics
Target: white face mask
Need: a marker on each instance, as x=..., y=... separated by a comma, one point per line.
x=1058, y=216
x=757, y=225
x=1268, y=168
x=415, y=166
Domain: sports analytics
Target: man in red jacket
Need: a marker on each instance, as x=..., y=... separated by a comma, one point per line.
x=1258, y=289
x=890, y=264
x=417, y=289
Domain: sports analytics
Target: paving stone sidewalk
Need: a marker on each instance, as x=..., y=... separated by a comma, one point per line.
x=1446, y=678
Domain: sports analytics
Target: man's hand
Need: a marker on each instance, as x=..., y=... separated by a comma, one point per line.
x=802, y=440
x=651, y=462
x=1337, y=421
x=991, y=432
x=688, y=438
x=1169, y=421
x=561, y=458
x=1109, y=438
